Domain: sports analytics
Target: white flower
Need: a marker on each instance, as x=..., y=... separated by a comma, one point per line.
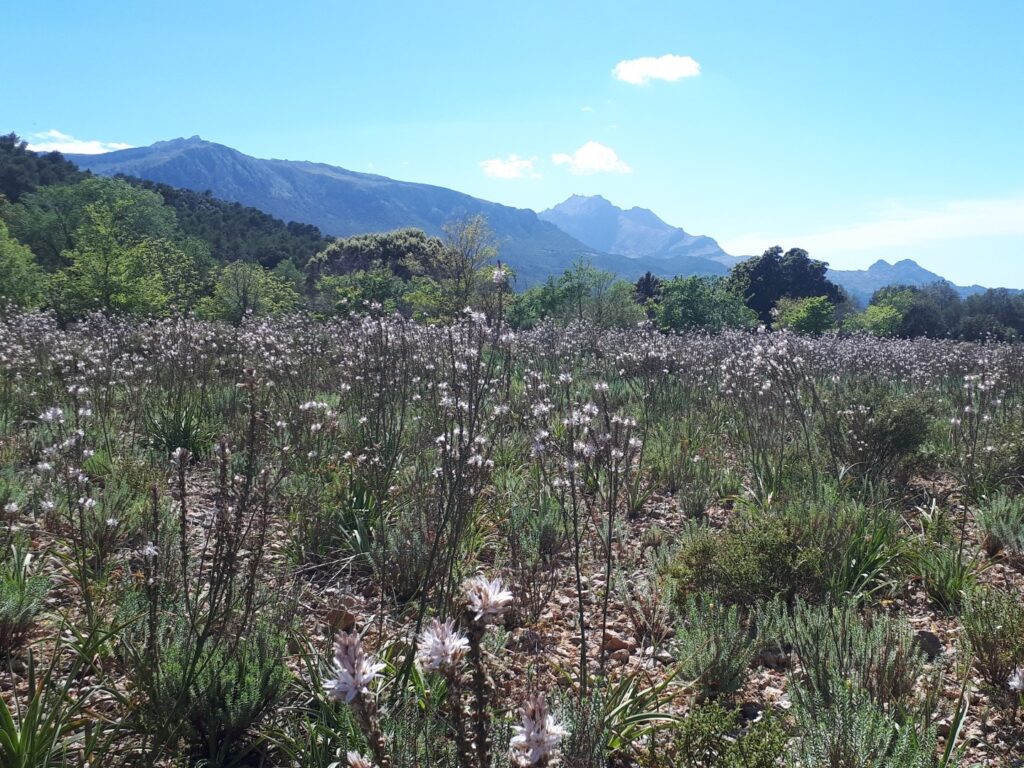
x=487, y=600
x=440, y=647
x=1016, y=680
x=354, y=670
x=539, y=735
x=149, y=550
x=355, y=760
x=51, y=415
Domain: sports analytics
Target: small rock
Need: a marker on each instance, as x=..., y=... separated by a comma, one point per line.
x=621, y=655
x=750, y=711
x=929, y=643
x=340, y=620
x=615, y=642
x=526, y=640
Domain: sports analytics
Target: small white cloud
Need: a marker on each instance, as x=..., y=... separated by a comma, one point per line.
x=55, y=141
x=511, y=167
x=587, y=109
x=668, y=67
x=592, y=157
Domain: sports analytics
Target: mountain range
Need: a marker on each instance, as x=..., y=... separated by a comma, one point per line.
x=343, y=203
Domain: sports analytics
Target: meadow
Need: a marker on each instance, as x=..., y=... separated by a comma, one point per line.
x=369, y=541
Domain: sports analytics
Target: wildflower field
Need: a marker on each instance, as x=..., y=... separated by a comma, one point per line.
x=372, y=542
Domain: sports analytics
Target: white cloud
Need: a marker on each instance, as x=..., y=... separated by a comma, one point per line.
x=55, y=141
x=511, y=167
x=592, y=157
x=901, y=227
x=668, y=67
x=587, y=109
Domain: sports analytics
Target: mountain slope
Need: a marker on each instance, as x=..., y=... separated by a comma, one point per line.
x=636, y=232
x=342, y=202
x=861, y=284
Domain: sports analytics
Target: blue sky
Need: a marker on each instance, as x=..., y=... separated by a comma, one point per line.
x=857, y=130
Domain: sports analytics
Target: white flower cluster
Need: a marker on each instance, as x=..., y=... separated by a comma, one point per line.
x=487, y=599
x=537, y=739
x=354, y=670
x=441, y=647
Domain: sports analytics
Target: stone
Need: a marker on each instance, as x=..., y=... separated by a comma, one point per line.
x=929, y=643
x=616, y=642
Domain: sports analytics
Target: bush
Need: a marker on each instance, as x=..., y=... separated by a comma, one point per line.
x=851, y=731
x=714, y=646
x=1001, y=520
x=944, y=571
x=837, y=649
x=21, y=595
x=179, y=422
x=711, y=735
x=212, y=696
x=876, y=434
x=751, y=561
x=994, y=624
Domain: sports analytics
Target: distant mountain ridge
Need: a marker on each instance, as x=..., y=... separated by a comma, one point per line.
x=636, y=232
x=343, y=203
x=861, y=284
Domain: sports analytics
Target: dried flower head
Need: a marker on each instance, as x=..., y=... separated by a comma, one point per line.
x=536, y=740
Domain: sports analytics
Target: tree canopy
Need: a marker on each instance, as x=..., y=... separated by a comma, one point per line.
x=763, y=280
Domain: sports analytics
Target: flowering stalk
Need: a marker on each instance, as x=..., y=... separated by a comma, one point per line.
x=486, y=601
x=354, y=672
x=441, y=649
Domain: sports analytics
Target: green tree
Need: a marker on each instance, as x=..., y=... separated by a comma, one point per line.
x=774, y=275
x=406, y=252
x=376, y=290
x=112, y=271
x=21, y=279
x=876, y=319
x=692, y=303
x=23, y=171
x=49, y=220
x=813, y=315
x=243, y=289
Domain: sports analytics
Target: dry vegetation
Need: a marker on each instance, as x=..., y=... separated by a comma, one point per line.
x=288, y=542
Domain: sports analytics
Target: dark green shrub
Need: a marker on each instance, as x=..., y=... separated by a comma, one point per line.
x=876, y=434
x=711, y=736
x=753, y=560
